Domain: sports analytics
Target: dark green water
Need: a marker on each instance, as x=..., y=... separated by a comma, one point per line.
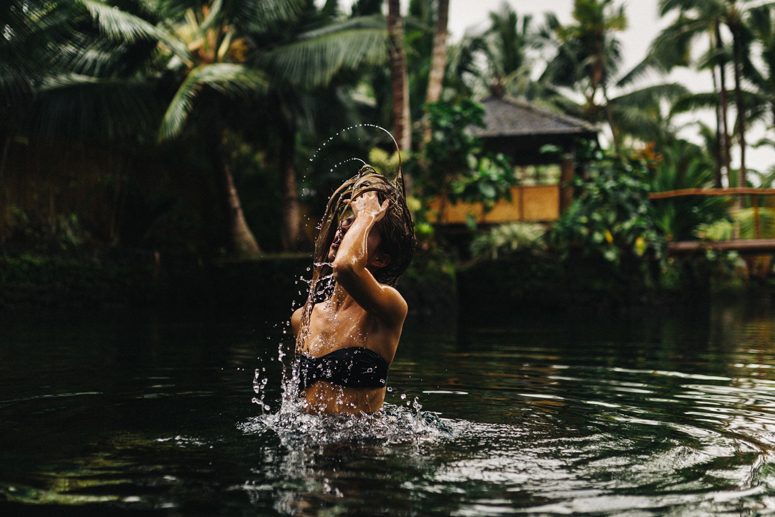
x=540, y=416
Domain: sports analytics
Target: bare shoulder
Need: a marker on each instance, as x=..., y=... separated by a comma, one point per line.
x=395, y=306
x=296, y=321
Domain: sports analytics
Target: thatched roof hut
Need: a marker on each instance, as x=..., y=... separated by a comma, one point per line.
x=520, y=129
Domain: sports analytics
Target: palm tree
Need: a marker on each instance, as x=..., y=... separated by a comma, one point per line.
x=673, y=47
x=222, y=50
x=761, y=24
x=505, y=48
x=28, y=29
x=698, y=17
x=101, y=71
x=103, y=83
x=92, y=89
x=588, y=57
x=213, y=72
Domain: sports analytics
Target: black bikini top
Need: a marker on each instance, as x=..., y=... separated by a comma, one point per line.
x=351, y=367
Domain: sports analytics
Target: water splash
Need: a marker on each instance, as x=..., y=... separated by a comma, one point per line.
x=392, y=424
x=351, y=128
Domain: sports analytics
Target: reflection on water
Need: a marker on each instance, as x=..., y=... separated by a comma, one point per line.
x=543, y=416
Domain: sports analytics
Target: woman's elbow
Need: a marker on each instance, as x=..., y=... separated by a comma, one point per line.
x=343, y=270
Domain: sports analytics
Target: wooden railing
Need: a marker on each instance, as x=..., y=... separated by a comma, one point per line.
x=750, y=246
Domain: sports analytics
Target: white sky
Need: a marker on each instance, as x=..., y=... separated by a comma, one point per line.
x=644, y=24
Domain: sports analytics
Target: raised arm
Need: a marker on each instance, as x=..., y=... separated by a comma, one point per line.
x=357, y=257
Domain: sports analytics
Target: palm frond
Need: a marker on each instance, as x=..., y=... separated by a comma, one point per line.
x=651, y=95
x=673, y=45
x=639, y=71
x=705, y=6
x=226, y=78
x=262, y=15
x=714, y=58
x=123, y=26
x=313, y=62
x=695, y=101
x=641, y=124
x=753, y=102
x=375, y=22
x=214, y=14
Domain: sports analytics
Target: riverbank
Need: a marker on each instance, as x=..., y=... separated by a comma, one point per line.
x=113, y=279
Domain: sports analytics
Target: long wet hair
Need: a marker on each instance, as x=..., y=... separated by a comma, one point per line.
x=396, y=230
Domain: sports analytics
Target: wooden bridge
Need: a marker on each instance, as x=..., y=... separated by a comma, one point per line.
x=756, y=246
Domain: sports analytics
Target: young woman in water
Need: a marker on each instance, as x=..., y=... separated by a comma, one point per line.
x=346, y=337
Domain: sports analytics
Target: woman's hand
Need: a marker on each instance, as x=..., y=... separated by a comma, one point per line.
x=368, y=204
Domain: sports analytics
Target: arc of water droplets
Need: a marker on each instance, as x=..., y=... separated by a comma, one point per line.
x=348, y=129
x=345, y=161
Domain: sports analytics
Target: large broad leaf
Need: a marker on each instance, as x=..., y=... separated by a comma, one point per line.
x=673, y=45
x=226, y=78
x=705, y=7
x=260, y=15
x=710, y=101
x=640, y=123
x=121, y=25
x=651, y=95
x=317, y=56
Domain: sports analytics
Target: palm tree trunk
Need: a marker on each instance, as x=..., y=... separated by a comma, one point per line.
x=737, y=48
x=727, y=152
x=398, y=77
x=717, y=151
x=291, y=238
x=241, y=240
x=610, y=117
x=438, y=62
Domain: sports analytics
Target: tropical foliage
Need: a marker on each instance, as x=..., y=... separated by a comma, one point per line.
x=224, y=117
x=508, y=238
x=612, y=216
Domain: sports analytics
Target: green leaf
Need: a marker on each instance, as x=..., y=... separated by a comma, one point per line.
x=487, y=190
x=226, y=78
x=611, y=255
x=123, y=26
x=315, y=58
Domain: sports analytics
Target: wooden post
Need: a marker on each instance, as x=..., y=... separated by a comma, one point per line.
x=567, y=167
x=756, y=221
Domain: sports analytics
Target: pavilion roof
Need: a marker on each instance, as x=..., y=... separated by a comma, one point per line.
x=510, y=117
x=521, y=130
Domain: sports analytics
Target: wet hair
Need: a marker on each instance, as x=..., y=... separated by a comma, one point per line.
x=396, y=228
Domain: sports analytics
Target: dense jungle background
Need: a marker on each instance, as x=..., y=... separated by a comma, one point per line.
x=183, y=150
